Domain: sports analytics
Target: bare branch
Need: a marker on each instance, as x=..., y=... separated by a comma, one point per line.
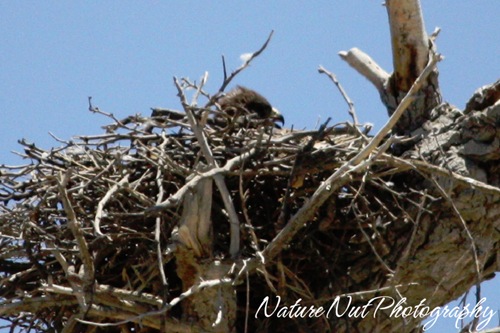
x=367, y=67
x=350, y=104
x=228, y=79
x=104, y=200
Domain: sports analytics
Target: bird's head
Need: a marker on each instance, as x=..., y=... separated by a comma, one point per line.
x=252, y=104
x=277, y=117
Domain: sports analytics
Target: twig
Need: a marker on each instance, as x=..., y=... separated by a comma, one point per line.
x=159, y=198
x=228, y=79
x=350, y=104
x=224, y=68
x=199, y=90
x=104, y=200
x=119, y=123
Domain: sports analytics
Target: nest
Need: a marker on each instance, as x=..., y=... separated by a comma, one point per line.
x=115, y=198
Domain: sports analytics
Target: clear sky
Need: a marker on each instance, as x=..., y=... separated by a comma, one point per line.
x=54, y=54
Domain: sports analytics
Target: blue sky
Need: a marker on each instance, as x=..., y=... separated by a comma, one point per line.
x=54, y=54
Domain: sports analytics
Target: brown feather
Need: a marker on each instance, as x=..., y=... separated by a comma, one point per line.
x=247, y=108
x=246, y=101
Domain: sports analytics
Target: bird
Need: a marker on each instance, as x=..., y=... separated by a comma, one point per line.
x=246, y=107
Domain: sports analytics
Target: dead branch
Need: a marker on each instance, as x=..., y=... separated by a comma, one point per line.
x=367, y=67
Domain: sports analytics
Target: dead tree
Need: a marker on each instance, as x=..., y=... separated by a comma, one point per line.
x=170, y=223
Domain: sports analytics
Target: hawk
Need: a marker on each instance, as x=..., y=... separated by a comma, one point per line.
x=249, y=108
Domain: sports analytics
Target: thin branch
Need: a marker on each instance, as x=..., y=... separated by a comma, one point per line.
x=228, y=79
x=350, y=104
x=104, y=200
x=224, y=68
x=159, y=198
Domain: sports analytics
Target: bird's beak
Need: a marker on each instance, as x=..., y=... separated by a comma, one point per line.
x=277, y=117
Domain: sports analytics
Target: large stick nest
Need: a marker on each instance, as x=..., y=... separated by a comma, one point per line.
x=88, y=228
x=113, y=183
